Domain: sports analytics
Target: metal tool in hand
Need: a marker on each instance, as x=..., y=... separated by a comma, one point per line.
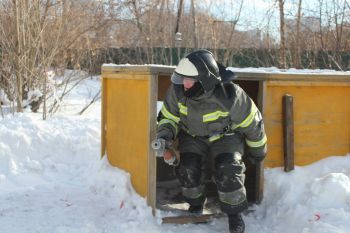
x=159, y=146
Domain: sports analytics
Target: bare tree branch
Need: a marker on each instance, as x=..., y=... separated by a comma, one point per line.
x=96, y=97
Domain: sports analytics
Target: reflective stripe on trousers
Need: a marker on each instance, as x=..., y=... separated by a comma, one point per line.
x=233, y=198
x=193, y=193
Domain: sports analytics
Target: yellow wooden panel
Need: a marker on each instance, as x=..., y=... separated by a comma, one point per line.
x=127, y=120
x=321, y=121
x=103, y=117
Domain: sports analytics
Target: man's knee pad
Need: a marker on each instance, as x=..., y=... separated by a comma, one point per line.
x=189, y=170
x=233, y=202
x=229, y=177
x=229, y=173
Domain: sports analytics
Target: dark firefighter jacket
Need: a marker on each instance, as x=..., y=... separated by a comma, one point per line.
x=211, y=115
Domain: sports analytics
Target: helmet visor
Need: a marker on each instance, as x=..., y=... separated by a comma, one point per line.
x=179, y=79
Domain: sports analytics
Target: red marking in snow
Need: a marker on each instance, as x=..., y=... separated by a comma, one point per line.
x=317, y=217
x=121, y=205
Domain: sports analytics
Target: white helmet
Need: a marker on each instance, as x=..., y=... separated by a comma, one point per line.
x=200, y=66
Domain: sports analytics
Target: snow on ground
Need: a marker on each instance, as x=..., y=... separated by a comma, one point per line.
x=53, y=180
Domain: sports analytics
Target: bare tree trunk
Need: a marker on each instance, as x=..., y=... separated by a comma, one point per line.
x=19, y=78
x=195, y=38
x=298, y=53
x=137, y=15
x=177, y=29
x=283, y=59
x=231, y=50
x=339, y=27
x=320, y=24
x=178, y=18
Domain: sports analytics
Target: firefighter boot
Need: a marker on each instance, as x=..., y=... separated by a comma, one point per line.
x=195, y=209
x=236, y=223
x=196, y=205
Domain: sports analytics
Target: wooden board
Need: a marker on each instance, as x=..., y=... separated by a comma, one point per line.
x=179, y=214
x=186, y=219
x=127, y=127
x=288, y=132
x=152, y=127
x=128, y=122
x=103, y=117
x=171, y=202
x=321, y=120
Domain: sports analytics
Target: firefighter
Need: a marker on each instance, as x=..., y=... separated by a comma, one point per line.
x=208, y=114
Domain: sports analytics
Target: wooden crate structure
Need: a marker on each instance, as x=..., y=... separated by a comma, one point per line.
x=321, y=119
x=128, y=121
x=321, y=104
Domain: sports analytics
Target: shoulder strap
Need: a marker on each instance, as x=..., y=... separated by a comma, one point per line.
x=230, y=90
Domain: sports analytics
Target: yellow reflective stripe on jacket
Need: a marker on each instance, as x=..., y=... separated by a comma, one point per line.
x=256, y=143
x=166, y=121
x=215, y=137
x=168, y=115
x=234, y=126
x=183, y=109
x=249, y=119
x=214, y=116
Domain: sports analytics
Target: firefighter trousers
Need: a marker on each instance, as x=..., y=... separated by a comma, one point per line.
x=228, y=170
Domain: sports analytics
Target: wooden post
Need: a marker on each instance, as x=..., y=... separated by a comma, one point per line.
x=152, y=162
x=259, y=182
x=259, y=167
x=288, y=132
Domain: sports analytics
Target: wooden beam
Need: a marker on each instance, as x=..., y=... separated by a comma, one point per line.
x=288, y=132
x=186, y=219
x=152, y=126
x=259, y=167
x=103, y=117
x=259, y=182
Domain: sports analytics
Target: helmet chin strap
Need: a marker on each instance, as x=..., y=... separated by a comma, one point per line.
x=195, y=91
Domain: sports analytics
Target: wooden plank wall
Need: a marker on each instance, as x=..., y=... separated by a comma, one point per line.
x=127, y=116
x=321, y=120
